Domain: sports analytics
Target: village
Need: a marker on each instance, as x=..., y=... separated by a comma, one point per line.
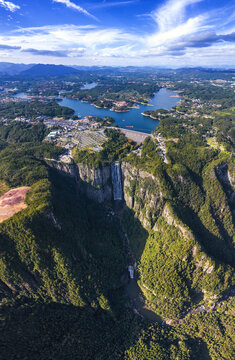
x=84, y=133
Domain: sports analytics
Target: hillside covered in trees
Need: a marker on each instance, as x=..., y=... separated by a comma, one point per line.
x=63, y=263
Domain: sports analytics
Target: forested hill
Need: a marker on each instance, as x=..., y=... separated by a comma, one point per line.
x=41, y=70
x=63, y=265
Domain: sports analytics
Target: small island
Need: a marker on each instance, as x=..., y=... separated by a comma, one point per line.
x=116, y=94
x=155, y=114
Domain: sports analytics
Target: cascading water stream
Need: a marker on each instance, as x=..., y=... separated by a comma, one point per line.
x=117, y=181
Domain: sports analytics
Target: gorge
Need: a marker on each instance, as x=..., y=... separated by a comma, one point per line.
x=147, y=213
x=71, y=247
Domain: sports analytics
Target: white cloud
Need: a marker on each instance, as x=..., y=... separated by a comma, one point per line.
x=69, y=36
x=191, y=26
x=171, y=14
x=172, y=22
x=175, y=39
x=71, y=5
x=112, y=4
x=9, y=5
x=46, y=29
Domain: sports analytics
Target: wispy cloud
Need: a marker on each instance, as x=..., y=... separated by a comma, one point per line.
x=71, y=5
x=54, y=53
x=46, y=29
x=173, y=23
x=8, y=47
x=190, y=26
x=171, y=14
x=9, y=5
x=105, y=4
x=70, y=36
x=175, y=33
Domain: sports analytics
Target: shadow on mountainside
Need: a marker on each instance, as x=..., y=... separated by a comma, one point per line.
x=91, y=253
x=59, y=331
x=199, y=349
x=220, y=249
x=136, y=233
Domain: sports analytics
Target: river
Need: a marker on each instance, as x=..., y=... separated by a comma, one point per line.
x=132, y=120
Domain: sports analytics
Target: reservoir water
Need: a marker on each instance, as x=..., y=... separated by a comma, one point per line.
x=132, y=120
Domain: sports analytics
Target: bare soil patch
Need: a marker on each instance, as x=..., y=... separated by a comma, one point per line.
x=12, y=202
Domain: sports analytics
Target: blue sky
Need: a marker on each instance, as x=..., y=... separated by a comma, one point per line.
x=169, y=33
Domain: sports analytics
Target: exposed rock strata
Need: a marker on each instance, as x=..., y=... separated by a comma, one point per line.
x=226, y=177
x=142, y=193
x=95, y=183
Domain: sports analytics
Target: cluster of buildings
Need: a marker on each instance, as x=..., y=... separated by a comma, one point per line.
x=25, y=119
x=86, y=132
x=223, y=83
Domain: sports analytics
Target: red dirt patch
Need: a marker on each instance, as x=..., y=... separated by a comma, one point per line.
x=12, y=202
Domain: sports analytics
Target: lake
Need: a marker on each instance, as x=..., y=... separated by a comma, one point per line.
x=132, y=120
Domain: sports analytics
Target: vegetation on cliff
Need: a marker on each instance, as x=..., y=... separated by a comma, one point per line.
x=188, y=251
x=63, y=262
x=115, y=148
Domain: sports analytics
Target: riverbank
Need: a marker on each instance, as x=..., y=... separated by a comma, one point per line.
x=150, y=116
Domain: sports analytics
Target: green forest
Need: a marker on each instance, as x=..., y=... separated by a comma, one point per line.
x=34, y=108
x=64, y=258
x=116, y=147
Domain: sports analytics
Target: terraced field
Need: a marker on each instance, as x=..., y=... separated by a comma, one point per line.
x=90, y=139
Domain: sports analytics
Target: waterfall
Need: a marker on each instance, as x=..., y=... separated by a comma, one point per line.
x=117, y=181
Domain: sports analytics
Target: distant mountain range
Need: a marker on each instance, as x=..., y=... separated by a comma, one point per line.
x=35, y=70
x=206, y=69
x=13, y=69
x=41, y=70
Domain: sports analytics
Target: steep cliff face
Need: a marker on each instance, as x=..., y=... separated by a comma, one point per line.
x=63, y=167
x=95, y=183
x=177, y=271
x=226, y=176
x=50, y=248
x=143, y=194
x=141, y=190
